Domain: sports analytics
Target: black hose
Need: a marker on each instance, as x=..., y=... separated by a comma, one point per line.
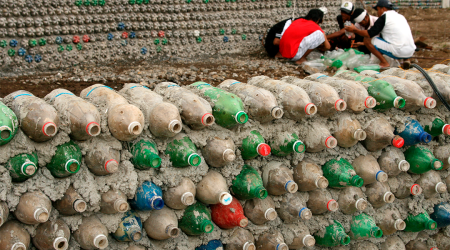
x=433, y=86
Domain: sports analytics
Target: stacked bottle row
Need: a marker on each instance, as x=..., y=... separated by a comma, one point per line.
x=248, y=192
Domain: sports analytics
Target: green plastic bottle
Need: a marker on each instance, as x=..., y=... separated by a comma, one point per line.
x=286, y=143
x=334, y=236
x=228, y=109
x=22, y=167
x=8, y=124
x=66, y=160
x=363, y=227
x=438, y=127
x=341, y=174
x=254, y=145
x=381, y=90
x=361, y=68
x=145, y=154
x=182, y=152
x=421, y=160
x=248, y=184
x=420, y=222
x=196, y=220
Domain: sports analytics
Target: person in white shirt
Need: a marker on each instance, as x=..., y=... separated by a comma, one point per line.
x=363, y=21
x=395, y=38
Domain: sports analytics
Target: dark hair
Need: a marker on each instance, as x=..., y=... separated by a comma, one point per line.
x=356, y=13
x=315, y=15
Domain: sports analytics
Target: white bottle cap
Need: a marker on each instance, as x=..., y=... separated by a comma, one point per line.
x=28, y=168
x=361, y=204
x=41, y=214
x=308, y=241
x=249, y=246
x=388, y=197
x=277, y=112
x=187, y=199
x=60, y=243
x=399, y=225
x=403, y=165
x=79, y=205
x=228, y=155
x=101, y=241
x=225, y=198
x=270, y=214
x=121, y=205
x=134, y=128
x=440, y=188
x=175, y=126
x=359, y=135
x=19, y=246
x=321, y=182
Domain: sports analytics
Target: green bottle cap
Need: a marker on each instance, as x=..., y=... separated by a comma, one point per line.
x=261, y=192
x=28, y=168
x=194, y=160
x=344, y=239
x=436, y=164
x=155, y=161
x=207, y=226
x=241, y=117
x=5, y=133
x=357, y=181
x=72, y=166
x=399, y=102
x=376, y=232
x=431, y=225
x=299, y=147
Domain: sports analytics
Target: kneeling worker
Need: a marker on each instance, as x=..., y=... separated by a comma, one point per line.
x=303, y=36
x=395, y=39
x=363, y=21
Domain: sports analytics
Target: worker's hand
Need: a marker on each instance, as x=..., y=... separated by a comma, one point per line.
x=350, y=28
x=355, y=45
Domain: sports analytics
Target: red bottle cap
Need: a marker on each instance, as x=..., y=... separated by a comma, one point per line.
x=398, y=142
x=310, y=109
x=93, y=129
x=49, y=129
x=446, y=129
x=263, y=149
x=429, y=103
x=332, y=205
x=416, y=189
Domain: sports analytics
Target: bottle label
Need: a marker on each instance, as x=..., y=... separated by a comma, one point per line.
x=97, y=88
x=139, y=86
x=22, y=95
x=65, y=93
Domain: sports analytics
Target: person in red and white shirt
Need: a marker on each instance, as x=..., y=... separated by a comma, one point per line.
x=303, y=36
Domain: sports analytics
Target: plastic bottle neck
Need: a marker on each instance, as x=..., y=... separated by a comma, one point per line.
x=260, y=192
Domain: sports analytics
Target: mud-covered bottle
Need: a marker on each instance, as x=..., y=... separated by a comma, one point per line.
x=181, y=196
x=66, y=161
x=38, y=119
x=33, y=208
x=71, y=203
x=9, y=124
x=14, y=236
x=334, y=235
x=81, y=116
x=404, y=186
x=130, y=228
x=441, y=214
x=380, y=134
x=145, y=154
x=366, y=166
x=419, y=222
x=52, y=235
x=353, y=93
x=413, y=133
x=102, y=159
x=309, y=176
x=270, y=241
x=379, y=194
x=442, y=153
x=241, y=239
x=437, y=127
x=285, y=143
x=260, y=211
x=431, y=184
x=363, y=227
x=91, y=234
x=391, y=221
x=163, y=118
x=114, y=201
x=248, y=184
x=196, y=220
x=421, y=160
x=351, y=200
x=318, y=138
x=320, y=201
x=348, y=131
x=393, y=243
x=148, y=197
x=260, y=104
x=324, y=96
x=212, y=245
x=293, y=208
x=381, y=90
x=22, y=167
x=162, y=224
x=228, y=109
x=340, y=173
x=418, y=245
x=213, y=189
x=295, y=101
x=229, y=216
x=393, y=162
x=4, y=212
x=182, y=152
x=125, y=121
x=300, y=233
x=254, y=145
x=195, y=111
x=219, y=152
x=278, y=179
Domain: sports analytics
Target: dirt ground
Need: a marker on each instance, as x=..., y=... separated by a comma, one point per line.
x=432, y=24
